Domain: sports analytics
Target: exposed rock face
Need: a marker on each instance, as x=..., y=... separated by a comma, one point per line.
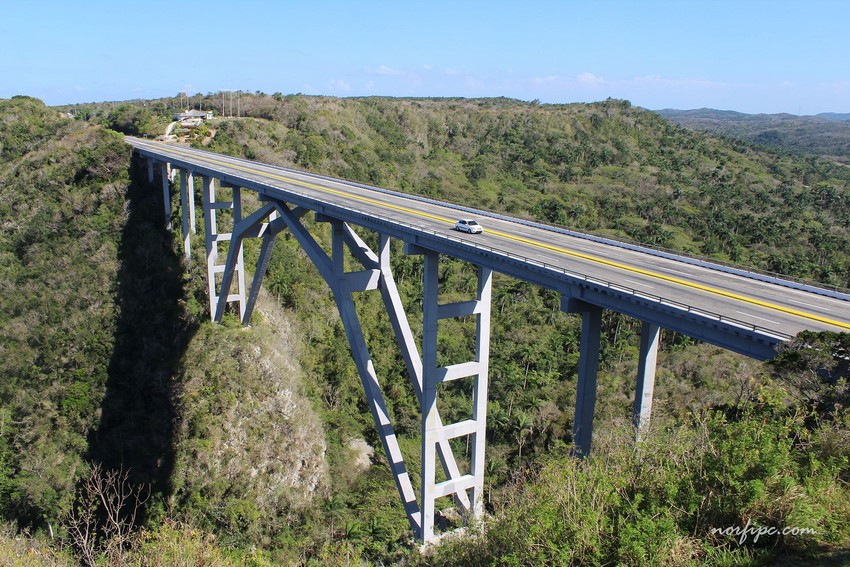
x=363, y=453
x=249, y=436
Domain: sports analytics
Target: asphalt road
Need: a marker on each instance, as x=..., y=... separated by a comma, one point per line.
x=766, y=305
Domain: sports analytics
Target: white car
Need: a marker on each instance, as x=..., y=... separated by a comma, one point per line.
x=468, y=225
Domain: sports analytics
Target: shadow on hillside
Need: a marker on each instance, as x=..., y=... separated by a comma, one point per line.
x=138, y=419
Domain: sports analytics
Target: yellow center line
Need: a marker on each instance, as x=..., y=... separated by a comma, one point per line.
x=523, y=240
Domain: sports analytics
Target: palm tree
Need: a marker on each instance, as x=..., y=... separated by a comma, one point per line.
x=522, y=426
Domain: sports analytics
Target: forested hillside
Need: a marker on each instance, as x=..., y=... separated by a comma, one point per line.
x=246, y=438
x=62, y=188
x=106, y=362
x=605, y=168
x=825, y=134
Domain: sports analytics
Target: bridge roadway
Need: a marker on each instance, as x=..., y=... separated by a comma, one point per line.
x=765, y=311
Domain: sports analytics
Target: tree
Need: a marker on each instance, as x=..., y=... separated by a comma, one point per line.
x=103, y=519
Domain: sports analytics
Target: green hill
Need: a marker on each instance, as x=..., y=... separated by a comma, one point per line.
x=826, y=134
x=244, y=436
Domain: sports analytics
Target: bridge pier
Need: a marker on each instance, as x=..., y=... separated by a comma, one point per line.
x=588, y=367
x=187, y=210
x=424, y=376
x=213, y=238
x=433, y=431
x=423, y=371
x=650, y=337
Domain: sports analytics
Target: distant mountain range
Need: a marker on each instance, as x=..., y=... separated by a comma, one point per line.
x=826, y=134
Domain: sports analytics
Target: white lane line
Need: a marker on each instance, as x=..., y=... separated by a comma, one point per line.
x=757, y=317
x=638, y=283
x=803, y=303
x=676, y=272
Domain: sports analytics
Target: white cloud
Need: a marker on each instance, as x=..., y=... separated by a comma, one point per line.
x=340, y=85
x=590, y=79
x=549, y=79
x=655, y=80
x=384, y=70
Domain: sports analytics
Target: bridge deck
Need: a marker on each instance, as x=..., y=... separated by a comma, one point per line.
x=737, y=312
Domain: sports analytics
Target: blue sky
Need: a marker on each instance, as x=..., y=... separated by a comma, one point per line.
x=744, y=55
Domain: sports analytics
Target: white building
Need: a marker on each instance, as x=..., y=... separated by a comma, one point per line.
x=194, y=115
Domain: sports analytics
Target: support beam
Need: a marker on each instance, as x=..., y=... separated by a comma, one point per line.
x=210, y=238
x=332, y=271
x=190, y=183
x=650, y=337
x=407, y=344
x=369, y=377
x=150, y=160
x=166, y=193
x=268, y=232
x=480, y=388
x=378, y=275
x=269, y=238
x=184, y=213
x=251, y=226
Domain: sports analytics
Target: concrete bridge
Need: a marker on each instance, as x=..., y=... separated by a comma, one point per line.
x=745, y=312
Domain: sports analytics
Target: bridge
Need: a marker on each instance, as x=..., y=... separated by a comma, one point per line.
x=742, y=311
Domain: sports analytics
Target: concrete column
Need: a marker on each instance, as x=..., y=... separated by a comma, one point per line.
x=166, y=194
x=184, y=210
x=650, y=335
x=479, y=393
x=591, y=325
x=431, y=425
x=210, y=234
x=190, y=182
x=410, y=353
x=240, y=260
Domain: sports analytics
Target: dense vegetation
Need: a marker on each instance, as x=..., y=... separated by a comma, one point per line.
x=62, y=210
x=825, y=134
x=244, y=436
